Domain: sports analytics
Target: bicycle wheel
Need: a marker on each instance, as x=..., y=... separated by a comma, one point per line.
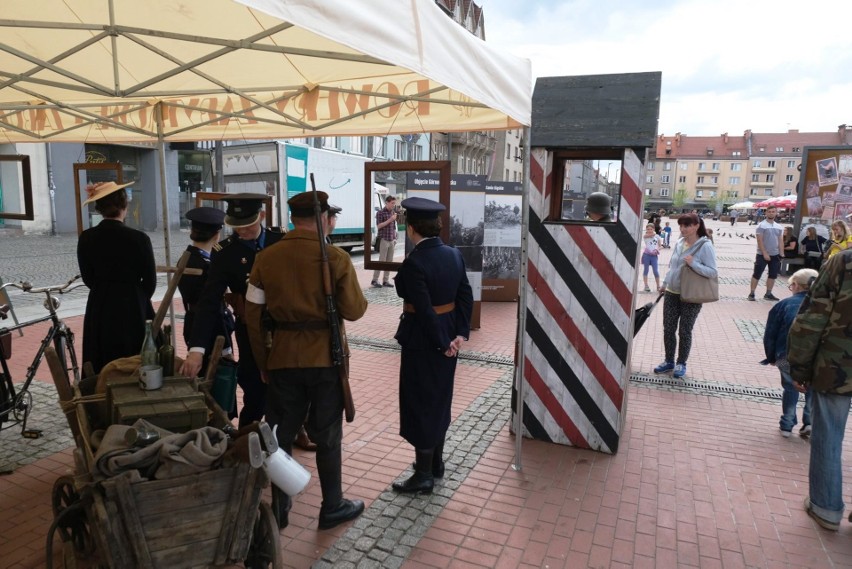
x=64, y=344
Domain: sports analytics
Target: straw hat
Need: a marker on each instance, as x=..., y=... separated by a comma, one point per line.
x=102, y=189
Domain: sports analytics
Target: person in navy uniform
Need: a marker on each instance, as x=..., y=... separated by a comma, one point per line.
x=205, y=231
x=437, y=306
x=230, y=265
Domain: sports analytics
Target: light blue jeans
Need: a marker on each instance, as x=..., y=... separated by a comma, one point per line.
x=790, y=400
x=825, y=475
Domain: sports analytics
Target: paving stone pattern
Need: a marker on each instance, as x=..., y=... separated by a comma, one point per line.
x=752, y=330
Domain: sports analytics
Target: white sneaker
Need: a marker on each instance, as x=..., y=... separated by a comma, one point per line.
x=805, y=431
x=785, y=434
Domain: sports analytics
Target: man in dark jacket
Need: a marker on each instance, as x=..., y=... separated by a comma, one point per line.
x=438, y=302
x=230, y=266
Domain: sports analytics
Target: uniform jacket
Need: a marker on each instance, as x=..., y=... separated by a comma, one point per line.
x=117, y=264
x=190, y=287
x=432, y=275
x=287, y=279
x=230, y=265
x=819, y=346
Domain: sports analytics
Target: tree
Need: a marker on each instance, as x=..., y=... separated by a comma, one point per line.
x=679, y=197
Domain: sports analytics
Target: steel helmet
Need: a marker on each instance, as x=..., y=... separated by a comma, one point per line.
x=599, y=203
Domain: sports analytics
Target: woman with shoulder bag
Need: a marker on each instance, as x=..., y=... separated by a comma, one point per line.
x=651, y=254
x=692, y=252
x=813, y=246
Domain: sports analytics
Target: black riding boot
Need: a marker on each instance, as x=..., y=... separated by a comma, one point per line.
x=335, y=508
x=438, y=461
x=422, y=481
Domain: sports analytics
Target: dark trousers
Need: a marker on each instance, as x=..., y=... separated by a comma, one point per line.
x=317, y=393
x=248, y=378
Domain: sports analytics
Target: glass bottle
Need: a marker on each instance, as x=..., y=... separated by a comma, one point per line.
x=167, y=353
x=149, y=353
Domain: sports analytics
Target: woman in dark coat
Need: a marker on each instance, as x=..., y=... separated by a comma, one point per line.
x=117, y=264
x=438, y=302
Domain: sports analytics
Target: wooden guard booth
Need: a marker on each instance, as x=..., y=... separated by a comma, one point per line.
x=578, y=291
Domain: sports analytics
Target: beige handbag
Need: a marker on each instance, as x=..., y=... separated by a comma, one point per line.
x=696, y=288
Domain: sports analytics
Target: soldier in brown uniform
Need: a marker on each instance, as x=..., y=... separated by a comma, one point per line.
x=286, y=281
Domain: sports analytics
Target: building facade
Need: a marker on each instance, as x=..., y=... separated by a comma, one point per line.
x=710, y=172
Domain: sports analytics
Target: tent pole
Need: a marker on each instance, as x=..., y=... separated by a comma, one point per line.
x=522, y=305
x=164, y=197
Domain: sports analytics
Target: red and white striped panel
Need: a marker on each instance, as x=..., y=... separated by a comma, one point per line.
x=579, y=316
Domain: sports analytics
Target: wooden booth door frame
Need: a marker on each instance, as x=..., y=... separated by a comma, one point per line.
x=79, y=166
x=200, y=197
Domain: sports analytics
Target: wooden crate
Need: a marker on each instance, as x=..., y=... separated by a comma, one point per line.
x=177, y=406
x=199, y=520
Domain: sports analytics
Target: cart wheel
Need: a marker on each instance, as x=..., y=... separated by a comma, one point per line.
x=265, y=548
x=74, y=527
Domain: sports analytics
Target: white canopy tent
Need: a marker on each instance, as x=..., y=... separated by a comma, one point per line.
x=109, y=71
x=742, y=205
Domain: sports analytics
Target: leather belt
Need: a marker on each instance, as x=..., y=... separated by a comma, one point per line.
x=302, y=326
x=441, y=309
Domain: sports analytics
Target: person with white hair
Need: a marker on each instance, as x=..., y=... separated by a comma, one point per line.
x=775, y=347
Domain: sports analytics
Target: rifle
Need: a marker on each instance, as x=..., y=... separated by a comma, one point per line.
x=339, y=358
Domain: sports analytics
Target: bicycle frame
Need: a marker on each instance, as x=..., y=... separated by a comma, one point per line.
x=12, y=399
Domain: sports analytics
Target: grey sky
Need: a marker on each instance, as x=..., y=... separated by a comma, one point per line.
x=727, y=65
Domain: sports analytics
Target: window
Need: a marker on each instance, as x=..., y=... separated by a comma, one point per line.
x=788, y=178
x=398, y=150
x=767, y=192
x=791, y=163
x=715, y=166
x=733, y=194
x=508, y=151
x=665, y=179
x=736, y=153
x=797, y=149
x=647, y=191
x=712, y=194
x=714, y=179
x=755, y=164
x=356, y=145
x=330, y=142
x=380, y=146
x=770, y=177
x=664, y=192
x=779, y=149
x=770, y=164
x=651, y=165
x=736, y=166
x=667, y=166
x=700, y=180
x=734, y=180
x=753, y=192
x=649, y=179
x=699, y=193
x=755, y=177
x=681, y=179
x=702, y=166
x=684, y=166
x=506, y=178
x=418, y=152
x=576, y=175
x=788, y=192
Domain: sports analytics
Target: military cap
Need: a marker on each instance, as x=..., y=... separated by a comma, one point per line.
x=334, y=209
x=421, y=208
x=243, y=209
x=302, y=205
x=206, y=218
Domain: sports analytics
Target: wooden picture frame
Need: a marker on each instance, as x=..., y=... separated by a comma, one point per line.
x=26, y=184
x=84, y=166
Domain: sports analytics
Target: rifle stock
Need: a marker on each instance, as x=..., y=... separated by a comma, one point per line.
x=339, y=358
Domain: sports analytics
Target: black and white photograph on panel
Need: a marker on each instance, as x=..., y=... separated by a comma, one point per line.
x=467, y=219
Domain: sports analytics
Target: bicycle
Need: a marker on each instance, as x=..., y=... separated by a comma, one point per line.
x=16, y=401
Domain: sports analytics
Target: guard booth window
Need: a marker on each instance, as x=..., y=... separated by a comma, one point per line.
x=579, y=174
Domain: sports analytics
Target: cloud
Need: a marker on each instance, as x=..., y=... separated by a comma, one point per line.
x=727, y=65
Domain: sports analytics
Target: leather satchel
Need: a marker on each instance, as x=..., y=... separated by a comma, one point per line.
x=696, y=288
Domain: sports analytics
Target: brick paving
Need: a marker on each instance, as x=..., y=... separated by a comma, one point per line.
x=701, y=478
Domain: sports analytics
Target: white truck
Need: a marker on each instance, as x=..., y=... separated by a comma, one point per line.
x=283, y=169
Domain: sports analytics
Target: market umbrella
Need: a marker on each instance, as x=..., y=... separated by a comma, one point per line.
x=642, y=314
x=785, y=202
x=742, y=205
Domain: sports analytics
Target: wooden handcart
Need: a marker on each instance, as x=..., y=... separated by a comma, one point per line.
x=209, y=519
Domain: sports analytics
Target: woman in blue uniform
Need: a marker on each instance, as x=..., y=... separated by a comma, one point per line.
x=117, y=264
x=438, y=302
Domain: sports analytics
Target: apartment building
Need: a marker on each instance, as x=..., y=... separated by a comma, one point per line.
x=708, y=172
